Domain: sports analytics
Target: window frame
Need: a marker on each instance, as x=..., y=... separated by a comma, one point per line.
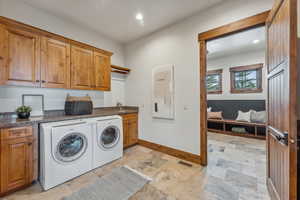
x=257, y=67
x=216, y=72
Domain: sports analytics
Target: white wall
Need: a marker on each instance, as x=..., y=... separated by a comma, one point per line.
x=241, y=59
x=178, y=45
x=22, y=12
x=11, y=96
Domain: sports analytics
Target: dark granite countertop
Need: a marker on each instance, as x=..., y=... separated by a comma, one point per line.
x=7, y=121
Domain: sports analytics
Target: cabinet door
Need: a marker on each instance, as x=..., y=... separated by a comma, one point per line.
x=23, y=67
x=81, y=68
x=132, y=131
x=16, y=163
x=102, y=72
x=55, y=65
x=125, y=133
x=3, y=53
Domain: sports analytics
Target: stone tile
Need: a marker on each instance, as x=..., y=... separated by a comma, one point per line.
x=221, y=189
x=228, y=164
x=241, y=180
x=252, y=150
x=150, y=193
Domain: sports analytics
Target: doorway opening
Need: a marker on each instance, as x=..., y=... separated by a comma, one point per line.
x=282, y=96
x=227, y=77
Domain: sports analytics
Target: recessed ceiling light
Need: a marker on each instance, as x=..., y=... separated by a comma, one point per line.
x=139, y=16
x=256, y=41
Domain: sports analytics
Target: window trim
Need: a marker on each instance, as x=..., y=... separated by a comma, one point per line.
x=257, y=67
x=216, y=72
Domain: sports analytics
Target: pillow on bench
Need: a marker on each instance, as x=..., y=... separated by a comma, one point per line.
x=244, y=116
x=259, y=117
x=209, y=109
x=214, y=115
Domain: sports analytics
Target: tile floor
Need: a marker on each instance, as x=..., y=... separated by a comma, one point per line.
x=236, y=171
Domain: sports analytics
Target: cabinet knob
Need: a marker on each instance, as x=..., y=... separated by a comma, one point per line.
x=37, y=81
x=43, y=81
x=30, y=143
x=1, y=58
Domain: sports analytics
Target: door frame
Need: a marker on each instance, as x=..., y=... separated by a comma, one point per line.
x=234, y=27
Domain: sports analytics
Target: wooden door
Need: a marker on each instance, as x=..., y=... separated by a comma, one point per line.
x=282, y=96
x=55, y=63
x=16, y=163
x=3, y=54
x=102, y=72
x=81, y=68
x=23, y=65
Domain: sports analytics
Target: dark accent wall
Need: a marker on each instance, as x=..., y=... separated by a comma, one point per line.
x=230, y=108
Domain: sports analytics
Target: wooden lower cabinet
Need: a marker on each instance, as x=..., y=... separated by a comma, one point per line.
x=17, y=159
x=130, y=129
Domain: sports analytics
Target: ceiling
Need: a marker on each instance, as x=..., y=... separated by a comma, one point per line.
x=116, y=18
x=237, y=43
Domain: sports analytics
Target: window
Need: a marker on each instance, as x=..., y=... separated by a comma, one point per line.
x=246, y=79
x=214, y=82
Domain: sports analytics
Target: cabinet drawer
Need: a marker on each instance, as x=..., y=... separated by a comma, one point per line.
x=130, y=116
x=13, y=133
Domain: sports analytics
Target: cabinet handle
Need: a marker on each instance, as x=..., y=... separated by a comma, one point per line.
x=43, y=81
x=37, y=81
x=30, y=143
x=1, y=58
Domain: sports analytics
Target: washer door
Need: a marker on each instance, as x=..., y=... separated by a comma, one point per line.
x=109, y=137
x=71, y=147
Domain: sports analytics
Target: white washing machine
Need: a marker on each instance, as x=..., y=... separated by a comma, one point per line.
x=108, y=140
x=65, y=151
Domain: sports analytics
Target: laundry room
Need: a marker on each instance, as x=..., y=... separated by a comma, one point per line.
x=148, y=100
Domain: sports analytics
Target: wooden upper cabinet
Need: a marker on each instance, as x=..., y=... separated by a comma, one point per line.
x=101, y=79
x=81, y=67
x=3, y=54
x=37, y=58
x=23, y=65
x=55, y=63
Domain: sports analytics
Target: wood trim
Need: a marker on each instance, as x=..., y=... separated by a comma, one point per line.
x=203, y=103
x=171, y=151
x=246, y=67
x=249, y=22
x=13, y=23
x=274, y=10
x=120, y=68
x=237, y=122
x=293, y=53
x=241, y=25
x=212, y=72
x=216, y=72
x=246, y=91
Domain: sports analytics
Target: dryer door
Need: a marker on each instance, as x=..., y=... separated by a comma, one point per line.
x=71, y=147
x=109, y=137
